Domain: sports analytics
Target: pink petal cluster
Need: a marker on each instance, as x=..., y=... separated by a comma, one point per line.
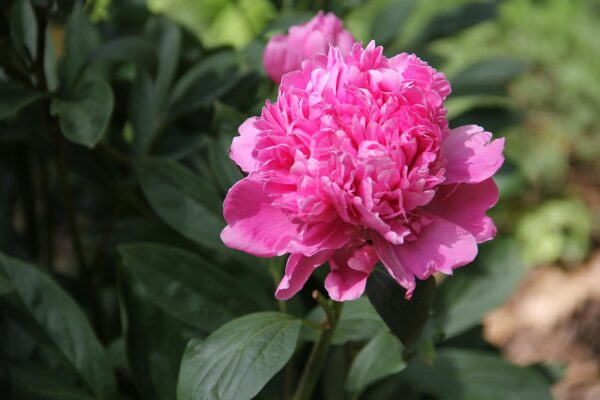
x=355, y=163
x=285, y=53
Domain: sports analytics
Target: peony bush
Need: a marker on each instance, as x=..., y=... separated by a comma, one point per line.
x=183, y=221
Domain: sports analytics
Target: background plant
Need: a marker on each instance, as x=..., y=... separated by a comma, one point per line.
x=115, y=122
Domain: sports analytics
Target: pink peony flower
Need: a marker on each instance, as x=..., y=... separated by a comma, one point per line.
x=355, y=163
x=284, y=54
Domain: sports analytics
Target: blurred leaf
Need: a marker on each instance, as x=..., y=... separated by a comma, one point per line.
x=488, y=76
x=455, y=20
x=463, y=299
x=557, y=230
x=186, y=286
x=23, y=27
x=218, y=23
x=14, y=97
x=472, y=375
x=5, y=286
x=29, y=381
x=381, y=357
x=59, y=324
x=390, y=20
x=81, y=37
x=238, y=359
x=133, y=48
x=206, y=81
x=359, y=321
x=223, y=170
x=84, y=117
x=154, y=341
x=50, y=62
x=405, y=318
x=182, y=200
x=493, y=118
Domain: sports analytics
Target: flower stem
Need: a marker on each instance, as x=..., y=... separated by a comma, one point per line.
x=316, y=360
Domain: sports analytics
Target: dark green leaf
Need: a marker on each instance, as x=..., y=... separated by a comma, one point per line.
x=23, y=27
x=472, y=375
x=205, y=82
x=13, y=98
x=154, y=341
x=381, y=357
x=390, y=20
x=5, y=286
x=182, y=200
x=133, y=48
x=168, y=40
x=405, y=318
x=455, y=20
x=359, y=321
x=488, y=76
x=463, y=299
x=84, y=117
x=186, y=286
x=238, y=359
x=58, y=323
x=492, y=118
x=81, y=37
x=30, y=381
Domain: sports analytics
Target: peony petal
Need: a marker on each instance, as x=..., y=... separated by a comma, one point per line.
x=440, y=246
x=254, y=226
x=471, y=155
x=349, y=272
x=465, y=205
x=243, y=145
x=297, y=271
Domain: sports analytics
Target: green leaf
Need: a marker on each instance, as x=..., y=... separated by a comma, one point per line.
x=186, y=286
x=5, y=286
x=182, y=200
x=81, y=37
x=381, y=357
x=390, y=20
x=455, y=20
x=58, y=323
x=488, y=76
x=405, y=318
x=154, y=341
x=473, y=375
x=463, y=299
x=84, y=117
x=133, y=48
x=206, y=81
x=238, y=359
x=23, y=27
x=14, y=98
x=358, y=322
x=29, y=381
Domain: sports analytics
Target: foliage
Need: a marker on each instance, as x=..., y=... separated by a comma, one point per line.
x=115, y=121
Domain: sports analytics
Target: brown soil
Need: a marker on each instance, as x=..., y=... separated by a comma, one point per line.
x=554, y=316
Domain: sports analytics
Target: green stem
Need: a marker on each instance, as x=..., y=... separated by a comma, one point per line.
x=316, y=360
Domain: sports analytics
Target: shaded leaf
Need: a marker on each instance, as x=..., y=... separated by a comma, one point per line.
x=81, y=37
x=405, y=318
x=457, y=19
x=381, y=357
x=473, y=375
x=463, y=299
x=84, y=117
x=186, y=286
x=56, y=321
x=23, y=27
x=133, y=48
x=238, y=359
x=488, y=76
x=390, y=20
x=13, y=98
x=182, y=200
x=209, y=79
x=154, y=341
